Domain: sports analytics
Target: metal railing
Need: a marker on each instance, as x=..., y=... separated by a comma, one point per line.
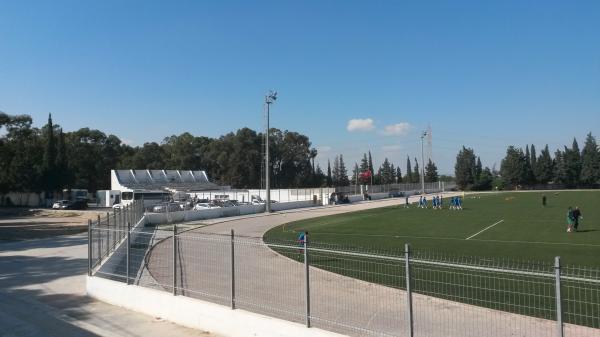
x=361, y=291
x=108, y=233
x=405, y=188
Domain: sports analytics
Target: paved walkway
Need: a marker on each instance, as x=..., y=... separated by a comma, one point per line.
x=269, y=283
x=42, y=293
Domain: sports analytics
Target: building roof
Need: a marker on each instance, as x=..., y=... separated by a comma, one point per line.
x=180, y=180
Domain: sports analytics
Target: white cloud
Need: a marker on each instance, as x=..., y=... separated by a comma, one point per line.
x=391, y=148
x=360, y=125
x=323, y=149
x=128, y=142
x=399, y=129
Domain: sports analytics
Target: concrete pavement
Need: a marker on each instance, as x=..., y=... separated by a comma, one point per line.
x=42, y=293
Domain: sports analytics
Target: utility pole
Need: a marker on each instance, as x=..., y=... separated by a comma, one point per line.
x=423, y=135
x=270, y=98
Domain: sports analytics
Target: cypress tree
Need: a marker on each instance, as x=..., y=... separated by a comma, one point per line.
x=533, y=162
x=544, y=167
x=590, y=161
x=343, y=173
x=409, y=175
x=49, y=159
x=416, y=172
x=431, y=174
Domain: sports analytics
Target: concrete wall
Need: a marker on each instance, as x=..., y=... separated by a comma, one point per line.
x=196, y=314
x=25, y=199
x=280, y=195
x=293, y=204
x=212, y=213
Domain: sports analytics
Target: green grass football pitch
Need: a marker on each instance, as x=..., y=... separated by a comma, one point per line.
x=499, y=225
x=497, y=230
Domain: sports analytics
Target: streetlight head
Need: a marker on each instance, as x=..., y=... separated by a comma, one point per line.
x=271, y=97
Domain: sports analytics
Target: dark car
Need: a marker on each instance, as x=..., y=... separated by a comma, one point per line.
x=339, y=198
x=78, y=204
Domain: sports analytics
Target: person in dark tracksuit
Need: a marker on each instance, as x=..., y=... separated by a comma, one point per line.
x=544, y=200
x=576, y=217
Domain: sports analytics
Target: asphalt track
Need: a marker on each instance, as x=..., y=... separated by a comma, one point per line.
x=269, y=283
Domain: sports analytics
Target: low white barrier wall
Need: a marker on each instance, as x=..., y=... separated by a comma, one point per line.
x=293, y=204
x=195, y=313
x=212, y=213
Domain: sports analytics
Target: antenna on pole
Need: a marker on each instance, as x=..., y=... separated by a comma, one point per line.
x=429, y=144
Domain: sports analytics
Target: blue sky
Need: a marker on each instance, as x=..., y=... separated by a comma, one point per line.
x=482, y=75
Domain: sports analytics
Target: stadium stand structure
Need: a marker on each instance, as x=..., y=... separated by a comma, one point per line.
x=166, y=180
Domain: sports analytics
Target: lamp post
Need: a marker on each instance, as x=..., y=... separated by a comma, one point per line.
x=270, y=98
x=423, y=135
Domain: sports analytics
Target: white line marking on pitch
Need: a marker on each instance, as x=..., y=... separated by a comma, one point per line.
x=483, y=230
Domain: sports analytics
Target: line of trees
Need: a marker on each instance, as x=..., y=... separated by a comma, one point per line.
x=48, y=159
x=387, y=173
x=570, y=167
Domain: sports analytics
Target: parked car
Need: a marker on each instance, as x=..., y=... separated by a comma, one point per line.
x=338, y=198
x=117, y=206
x=78, y=204
x=162, y=208
x=61, y=204
x=201, y=206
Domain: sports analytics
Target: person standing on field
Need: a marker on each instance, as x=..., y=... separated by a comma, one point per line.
x=576, y=217
x=544, y=200
x=570, y=220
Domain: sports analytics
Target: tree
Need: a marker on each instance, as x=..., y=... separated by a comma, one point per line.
x=533, y=164
x=590, y=161
x=485, y=180
x=370, y=162
x=464, y=168
x=477, y=170
x=386, y=174
x=416, y=175
x=544, y=167
x=571, y=165
x=329, y=176
x=343, y=173
x=513, y=167
x=431, y=174
x=355, y=173
x=409, y=175
x=49, y=160
x=63, y=178
x=398, y=175
x=560, y=168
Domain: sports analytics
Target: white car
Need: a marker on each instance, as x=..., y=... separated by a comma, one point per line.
x=117, y=206
x=61, y=204
x=201, y=206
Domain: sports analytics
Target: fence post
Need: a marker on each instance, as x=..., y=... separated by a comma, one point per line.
x=89, y=247
x=232, y=270
x=559, y=321
x=99, y=239
x=117, y=228
x=128, y=251
x=108, y=228
x=175, y=260
x=307, y=279
x=409, y=309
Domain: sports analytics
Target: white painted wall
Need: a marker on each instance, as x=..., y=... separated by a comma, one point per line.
x=195, y=313
x=212, y=213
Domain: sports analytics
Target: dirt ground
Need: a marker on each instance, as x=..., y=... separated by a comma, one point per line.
x=26, y=223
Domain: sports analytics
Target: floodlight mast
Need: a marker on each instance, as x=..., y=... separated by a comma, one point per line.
x=423, y=135
x=270, y=98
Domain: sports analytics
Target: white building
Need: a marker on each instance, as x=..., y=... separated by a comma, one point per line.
x=154, y=186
